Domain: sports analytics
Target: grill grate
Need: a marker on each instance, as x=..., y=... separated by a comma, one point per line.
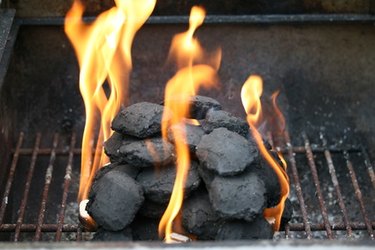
x=315, y=217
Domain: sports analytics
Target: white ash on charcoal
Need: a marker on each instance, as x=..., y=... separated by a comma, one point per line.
x=140, y=120
x=226, y=152
x=222, y=119
x=259, y=228
x=158, y=183
x=147, y=153
x=114, y=200
x=193, y=135
x=105, y=235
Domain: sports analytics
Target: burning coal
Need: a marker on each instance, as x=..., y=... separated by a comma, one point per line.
x=188, y=149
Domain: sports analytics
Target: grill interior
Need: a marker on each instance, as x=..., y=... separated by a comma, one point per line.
x=324, y=71
x=329, y=200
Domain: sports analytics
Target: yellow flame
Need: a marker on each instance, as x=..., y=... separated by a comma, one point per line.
x=103, y=49
x=194, y=71
x=250, y=94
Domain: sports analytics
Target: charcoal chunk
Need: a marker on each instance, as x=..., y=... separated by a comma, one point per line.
x=114, y=200
x=145, y=229
x=198, y=217
x=238, y=197
x=222, y=119
x=152, y=209
x=105, y=235
x=206, y=175
x=226, y=152
x=269, y=176
x=123, y=168
x=193, y=135
x=113, y=144
x=287, y=214
x=243, y=230
x=147, y=153
x=158, y=183
x=200, y=105
x=141, y=120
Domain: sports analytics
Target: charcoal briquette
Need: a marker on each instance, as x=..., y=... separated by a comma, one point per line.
x=193, y=134
x=243, y=230
x=222, y=119
x=141, y=120
x=114, y=200
x=145, y=229
x=158, y=182
x=147, y=153
x=287, y=214
x=113, y=144
x=105, y=235
x=226, y=152
x=199, y=218
x=200, y=105
x=238, y=197
x=152, y=209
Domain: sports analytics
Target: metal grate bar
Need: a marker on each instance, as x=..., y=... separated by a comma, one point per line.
x=314, y=172
x=336, y=185
x=334, y=226
x=297, y=184
x=9, y=183
x=79, y=233
x=47, y=183
x=369, y=166
x=27, y=187
x=358, y=194
x=67, y=180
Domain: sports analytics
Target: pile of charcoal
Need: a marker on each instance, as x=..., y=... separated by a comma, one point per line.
x=228, y=185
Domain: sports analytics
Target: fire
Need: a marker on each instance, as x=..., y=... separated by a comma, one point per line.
x=187, y=51
x=103, y=49
x=250, y=95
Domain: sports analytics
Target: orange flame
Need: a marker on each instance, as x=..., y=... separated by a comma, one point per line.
x=179, y=89
x=103, y=49
x=250, y=95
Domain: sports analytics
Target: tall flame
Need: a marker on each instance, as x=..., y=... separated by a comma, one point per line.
x=250, y=94
x=187, y=51
x=103, y=49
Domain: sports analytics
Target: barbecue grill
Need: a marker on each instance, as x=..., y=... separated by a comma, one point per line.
x=329, y=152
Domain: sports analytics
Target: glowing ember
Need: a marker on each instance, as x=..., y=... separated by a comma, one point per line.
x=103, y=49
x=250, y=95
x=183, y=85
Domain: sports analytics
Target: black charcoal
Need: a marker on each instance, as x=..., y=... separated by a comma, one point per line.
x=158, y=182
x=105, y=235
x=222, y=119
x=200, y=105
x=271, y=181
x=113, y=144
x=152, y=209
x=287, y=214
x=145, y=229
x=206, y=175
x=226, y=152
x=238, y=197
x=193, y=135
x=114, y=200
x=141, y=120
x=198, y=217
x=243, y=230
x=147, y=153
